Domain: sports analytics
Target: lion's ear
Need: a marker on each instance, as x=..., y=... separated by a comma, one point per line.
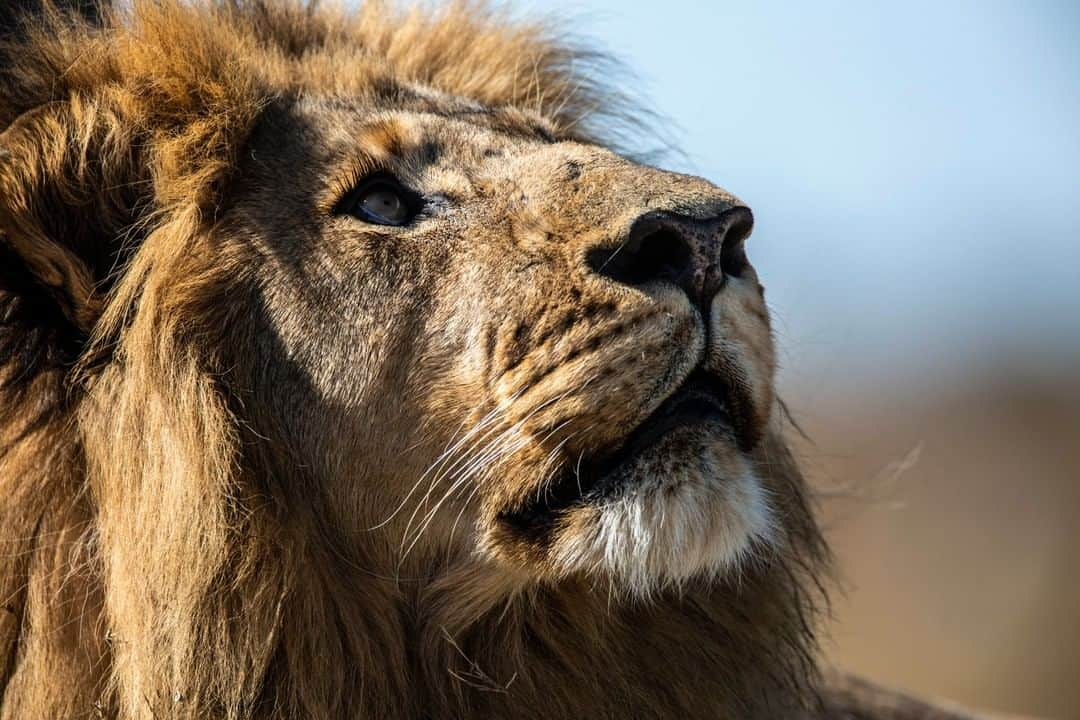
x=65, y=198
x=52, y=246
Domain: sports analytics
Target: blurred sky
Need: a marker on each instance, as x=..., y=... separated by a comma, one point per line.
x=914, y=167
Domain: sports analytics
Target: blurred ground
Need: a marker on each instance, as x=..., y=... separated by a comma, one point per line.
x=954, y=511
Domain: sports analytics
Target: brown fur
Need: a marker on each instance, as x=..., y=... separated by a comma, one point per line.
x=216, y=393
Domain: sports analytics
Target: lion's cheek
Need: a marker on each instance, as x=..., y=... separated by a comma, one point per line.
x=583, y=393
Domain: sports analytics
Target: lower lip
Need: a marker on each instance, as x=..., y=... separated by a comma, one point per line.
x=684, y=412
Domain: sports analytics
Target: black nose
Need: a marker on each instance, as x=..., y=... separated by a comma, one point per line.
x=692, y=253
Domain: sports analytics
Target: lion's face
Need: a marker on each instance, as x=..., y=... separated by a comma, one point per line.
x=483, y=339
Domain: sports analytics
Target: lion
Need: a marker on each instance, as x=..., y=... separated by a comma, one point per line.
x=352, y=369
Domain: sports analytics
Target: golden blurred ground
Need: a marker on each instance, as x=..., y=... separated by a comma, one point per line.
x=955, y=516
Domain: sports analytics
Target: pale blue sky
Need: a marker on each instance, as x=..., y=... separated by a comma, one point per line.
x=914, y=167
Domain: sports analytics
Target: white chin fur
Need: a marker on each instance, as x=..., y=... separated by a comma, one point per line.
x=673, y=523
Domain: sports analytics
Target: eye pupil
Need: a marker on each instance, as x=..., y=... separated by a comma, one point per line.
x=382, y=203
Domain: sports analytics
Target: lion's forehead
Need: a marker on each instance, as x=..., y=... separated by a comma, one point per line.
x=421, y=113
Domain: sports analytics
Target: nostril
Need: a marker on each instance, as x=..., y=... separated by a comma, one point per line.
x=736, y=225
x=653, y=251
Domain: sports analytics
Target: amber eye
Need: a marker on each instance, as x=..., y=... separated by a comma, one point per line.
x=382, y=201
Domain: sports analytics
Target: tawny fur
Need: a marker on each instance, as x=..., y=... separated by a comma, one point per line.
x=166, y=548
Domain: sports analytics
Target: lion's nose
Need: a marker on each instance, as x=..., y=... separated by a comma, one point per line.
x=691, y=253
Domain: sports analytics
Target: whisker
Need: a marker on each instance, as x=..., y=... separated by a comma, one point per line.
x=443, y=473
x=446, y=454
x=453, y=528
x=476, y=459
x=464, y=476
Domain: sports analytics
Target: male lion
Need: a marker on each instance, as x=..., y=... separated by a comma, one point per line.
x=347, y=374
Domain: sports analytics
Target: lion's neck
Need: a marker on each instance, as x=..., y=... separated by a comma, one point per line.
x=449, y=649
x=577, y=652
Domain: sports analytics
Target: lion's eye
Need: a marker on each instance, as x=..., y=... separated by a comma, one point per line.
x=382, y=202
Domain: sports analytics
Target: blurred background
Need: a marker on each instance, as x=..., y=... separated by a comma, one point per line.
x=914, y=168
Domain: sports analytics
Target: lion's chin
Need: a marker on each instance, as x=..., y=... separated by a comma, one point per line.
x=689, y=507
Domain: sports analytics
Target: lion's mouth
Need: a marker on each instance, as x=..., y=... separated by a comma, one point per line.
x=698, y=404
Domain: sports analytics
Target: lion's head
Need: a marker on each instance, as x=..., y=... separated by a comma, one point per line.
x=481, y=335
x=353, y=327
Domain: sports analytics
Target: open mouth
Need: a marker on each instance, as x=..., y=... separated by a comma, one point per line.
x=699, y=402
